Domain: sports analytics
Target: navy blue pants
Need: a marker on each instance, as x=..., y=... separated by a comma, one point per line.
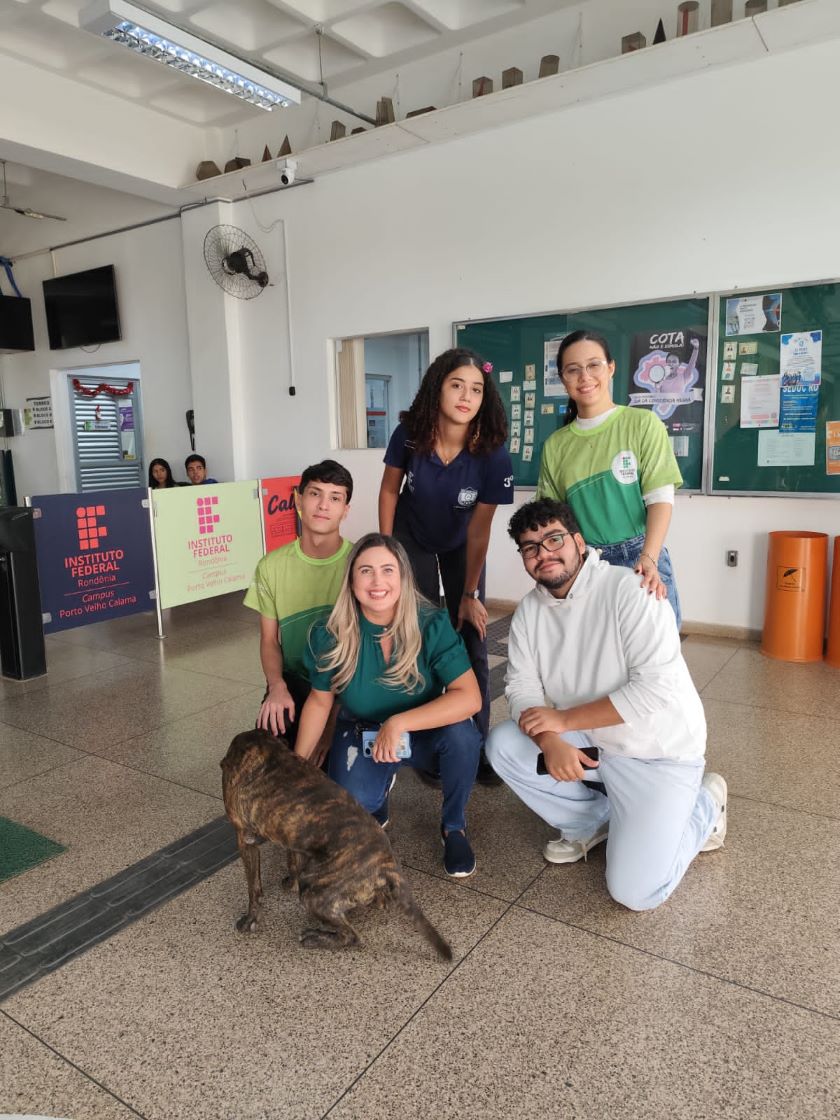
x=453, y=573
x=453, y=750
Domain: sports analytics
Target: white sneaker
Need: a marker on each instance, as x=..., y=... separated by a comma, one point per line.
x=716, y=786
x=570, y=851
x=382, y=816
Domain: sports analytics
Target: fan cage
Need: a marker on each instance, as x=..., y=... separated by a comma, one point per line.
x=219, y=243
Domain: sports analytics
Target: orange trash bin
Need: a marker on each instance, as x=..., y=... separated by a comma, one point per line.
x=794, y=609
x=832, y=653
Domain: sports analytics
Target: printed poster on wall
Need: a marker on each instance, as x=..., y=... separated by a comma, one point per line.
x=280, y=521
x=208, y=540
x=552, y=381
x=38, y=412
x=760, y=401
x=832, y=447
x=94, y=554
x=670, y=368
x=754, y=314
x=800, y=363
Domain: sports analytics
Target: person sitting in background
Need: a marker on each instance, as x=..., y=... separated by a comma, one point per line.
x=400, y=672
x=160, y=475
x=196, y=468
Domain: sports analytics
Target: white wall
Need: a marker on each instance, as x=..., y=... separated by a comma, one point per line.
x=150, y=291
x=722, y=180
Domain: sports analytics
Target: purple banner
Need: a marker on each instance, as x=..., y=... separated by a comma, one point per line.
x=94, y=555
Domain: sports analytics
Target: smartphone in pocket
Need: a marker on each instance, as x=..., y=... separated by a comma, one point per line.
x=369, y=738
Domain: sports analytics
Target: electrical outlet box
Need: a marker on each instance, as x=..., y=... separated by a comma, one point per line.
x=732, y=558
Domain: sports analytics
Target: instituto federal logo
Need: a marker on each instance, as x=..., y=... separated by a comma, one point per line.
x=210, y=541
x=90, y=530
x=91, y=562
x=207, y=516
x=625, y=468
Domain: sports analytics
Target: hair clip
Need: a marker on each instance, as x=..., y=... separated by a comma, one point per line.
x=487, y=367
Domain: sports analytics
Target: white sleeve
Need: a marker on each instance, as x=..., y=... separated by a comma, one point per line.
x=523, y=687
x=660, y=494
x=651, y=645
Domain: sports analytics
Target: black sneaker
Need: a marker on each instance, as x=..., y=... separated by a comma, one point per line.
x=458, y=856
x=486, y=775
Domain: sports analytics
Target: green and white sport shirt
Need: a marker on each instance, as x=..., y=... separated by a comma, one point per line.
x=603, y=472
x=298, y=591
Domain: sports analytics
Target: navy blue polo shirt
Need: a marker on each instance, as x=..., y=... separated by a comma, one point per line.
x=437, y=499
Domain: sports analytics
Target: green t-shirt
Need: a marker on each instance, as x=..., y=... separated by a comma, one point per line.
x=442, y=659
x=297, y=590
x=603, y=472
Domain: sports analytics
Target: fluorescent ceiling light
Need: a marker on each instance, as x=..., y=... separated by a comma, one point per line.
x=154, y=38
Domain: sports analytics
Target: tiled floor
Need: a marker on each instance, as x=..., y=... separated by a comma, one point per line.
x=724, y=1003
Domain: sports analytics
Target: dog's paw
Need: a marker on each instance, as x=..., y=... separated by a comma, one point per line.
x=246, y=924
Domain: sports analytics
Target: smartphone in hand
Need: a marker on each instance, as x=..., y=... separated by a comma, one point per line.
x=369, y=738
x=590, y=752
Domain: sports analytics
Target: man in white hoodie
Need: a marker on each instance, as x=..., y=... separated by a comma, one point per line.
x=594, y=664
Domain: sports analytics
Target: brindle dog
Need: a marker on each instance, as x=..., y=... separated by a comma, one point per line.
x=339, y=858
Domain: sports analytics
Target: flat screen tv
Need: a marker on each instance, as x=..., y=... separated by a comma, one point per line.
x=82, y=308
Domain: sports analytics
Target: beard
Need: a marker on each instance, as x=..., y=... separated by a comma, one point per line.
x=555, y=582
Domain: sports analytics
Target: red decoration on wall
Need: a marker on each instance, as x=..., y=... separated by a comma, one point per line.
x=111, y=390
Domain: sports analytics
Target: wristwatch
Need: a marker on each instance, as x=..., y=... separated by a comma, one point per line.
x=471, y=594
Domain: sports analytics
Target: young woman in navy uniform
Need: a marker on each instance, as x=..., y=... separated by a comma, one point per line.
x=446, y=470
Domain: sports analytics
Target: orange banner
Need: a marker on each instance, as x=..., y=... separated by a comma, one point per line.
x=279, y=513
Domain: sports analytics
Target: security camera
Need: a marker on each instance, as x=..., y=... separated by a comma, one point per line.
x=287, y=172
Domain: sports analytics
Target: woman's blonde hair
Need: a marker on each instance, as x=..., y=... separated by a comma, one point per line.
x=343, y=624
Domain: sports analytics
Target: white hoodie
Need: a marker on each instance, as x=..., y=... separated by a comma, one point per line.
x=608, y=637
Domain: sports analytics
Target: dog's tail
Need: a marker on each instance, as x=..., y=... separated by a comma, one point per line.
x=403, y=896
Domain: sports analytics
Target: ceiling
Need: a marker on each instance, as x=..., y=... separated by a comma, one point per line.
x=308, y=42
x=130, y=132
x=106, y=139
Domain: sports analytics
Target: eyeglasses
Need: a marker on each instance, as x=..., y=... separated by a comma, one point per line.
x=593, y=368
x=553, y=542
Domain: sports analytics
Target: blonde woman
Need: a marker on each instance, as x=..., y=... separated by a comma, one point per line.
x=388, y=655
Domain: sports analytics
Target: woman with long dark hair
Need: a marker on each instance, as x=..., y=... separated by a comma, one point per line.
x=403, y=678
x=615, y=467
x=160, y=475
x=446, y=470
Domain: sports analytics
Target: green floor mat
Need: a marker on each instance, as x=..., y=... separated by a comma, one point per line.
x=21, y=848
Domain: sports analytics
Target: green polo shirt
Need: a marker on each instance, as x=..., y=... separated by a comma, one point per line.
x=297, y=590
x=442, y=659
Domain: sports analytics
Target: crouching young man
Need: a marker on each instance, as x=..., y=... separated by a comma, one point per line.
x=296, y=586
x=595, y=665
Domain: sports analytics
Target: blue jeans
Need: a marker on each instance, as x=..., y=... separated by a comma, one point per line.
x=454, y=749
x=626, y=554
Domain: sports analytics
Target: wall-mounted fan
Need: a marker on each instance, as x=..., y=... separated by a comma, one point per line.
x=5, y=204
x=235, y=262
